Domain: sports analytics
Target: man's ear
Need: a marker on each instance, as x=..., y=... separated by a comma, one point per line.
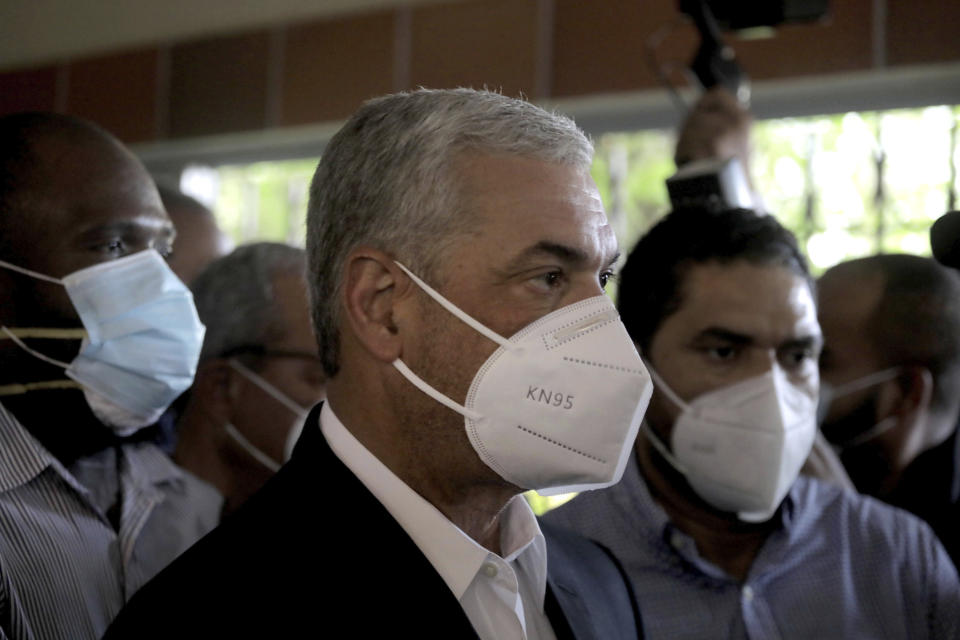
x=373, y=287
x=907, y=399
x=908, y=395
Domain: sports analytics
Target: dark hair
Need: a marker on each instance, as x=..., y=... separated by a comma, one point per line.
x=917, y=319
x=651, y=282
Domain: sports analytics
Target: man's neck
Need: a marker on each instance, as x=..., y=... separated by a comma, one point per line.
x=444, y=470
x=196, y=451
x=61, y=420
x=721, y=538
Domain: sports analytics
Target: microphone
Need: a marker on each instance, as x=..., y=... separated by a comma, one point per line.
x=945, y=239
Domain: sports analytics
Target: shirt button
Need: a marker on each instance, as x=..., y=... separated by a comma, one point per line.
x=490, y=570
x=747, y=593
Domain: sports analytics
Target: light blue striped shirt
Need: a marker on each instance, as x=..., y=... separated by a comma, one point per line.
x=64, y=571
x=842, y=566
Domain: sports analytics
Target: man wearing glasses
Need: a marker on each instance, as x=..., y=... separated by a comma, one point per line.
x=258, y=375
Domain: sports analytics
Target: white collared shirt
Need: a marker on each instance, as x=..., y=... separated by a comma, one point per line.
x=501, y=596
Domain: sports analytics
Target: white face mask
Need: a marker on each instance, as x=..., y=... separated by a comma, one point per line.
x=143, y=337
x=828, y=393
x=741, y=447
x=293, y=434
x=557, y=407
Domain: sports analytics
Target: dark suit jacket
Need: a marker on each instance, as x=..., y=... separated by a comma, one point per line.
x=315, y=554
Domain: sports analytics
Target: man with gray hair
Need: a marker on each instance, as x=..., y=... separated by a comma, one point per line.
x=458, y=249
x=259, y=371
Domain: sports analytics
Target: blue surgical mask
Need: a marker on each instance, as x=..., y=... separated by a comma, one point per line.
x=143, y=337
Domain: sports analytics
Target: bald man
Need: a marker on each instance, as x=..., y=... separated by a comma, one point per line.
x=89, y=509
x=891, y=373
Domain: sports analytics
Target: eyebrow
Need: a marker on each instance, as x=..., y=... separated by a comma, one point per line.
x=804, y=341
x=565, y=253
x=124, y=227
x=719, y=333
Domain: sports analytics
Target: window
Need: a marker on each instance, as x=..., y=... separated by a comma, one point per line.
x=847, y=185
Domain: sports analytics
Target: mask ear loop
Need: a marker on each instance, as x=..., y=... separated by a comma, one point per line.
x=661, y=447
x=881, y=427
x=416, y=380
x=453, y=309
x=17, y=341
x=266, y=387
x=250, y=448
x=867, y=381
x=419, y=383
x=32, y=274
x=36, y=354
x=664, y=387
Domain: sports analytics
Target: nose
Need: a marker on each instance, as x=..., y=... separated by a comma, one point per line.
x=588, y=288
x=766, y=363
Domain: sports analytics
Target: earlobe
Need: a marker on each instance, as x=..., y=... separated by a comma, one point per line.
x=373, y=287
x=921, y=387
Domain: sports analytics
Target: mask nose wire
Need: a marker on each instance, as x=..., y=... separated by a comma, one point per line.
x=456, y=311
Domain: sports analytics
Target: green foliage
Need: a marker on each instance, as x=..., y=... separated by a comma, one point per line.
x=817, y=175
x=265, y=200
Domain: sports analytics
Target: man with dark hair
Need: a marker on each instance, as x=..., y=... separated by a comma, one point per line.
x=890, y=384
x=439, y=224
x=97, y=337
x=720, y=535
x=259, y=371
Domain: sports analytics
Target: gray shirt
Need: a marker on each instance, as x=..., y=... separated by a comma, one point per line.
x=65, y=572
x=841, y=566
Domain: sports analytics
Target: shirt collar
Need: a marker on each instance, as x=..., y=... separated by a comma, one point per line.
x=454, y=554
x=23, y=458
x=150, y=467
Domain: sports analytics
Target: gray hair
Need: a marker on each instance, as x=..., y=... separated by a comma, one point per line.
x=235, y=296
x=387, y=180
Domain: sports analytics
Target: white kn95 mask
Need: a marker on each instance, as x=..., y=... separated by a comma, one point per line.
x=741, y=447
x=557, y=406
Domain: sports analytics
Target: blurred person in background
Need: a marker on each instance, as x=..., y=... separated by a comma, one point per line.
x=890, y=382
x=199, y=239
x=720, y=534
x=259, y=371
